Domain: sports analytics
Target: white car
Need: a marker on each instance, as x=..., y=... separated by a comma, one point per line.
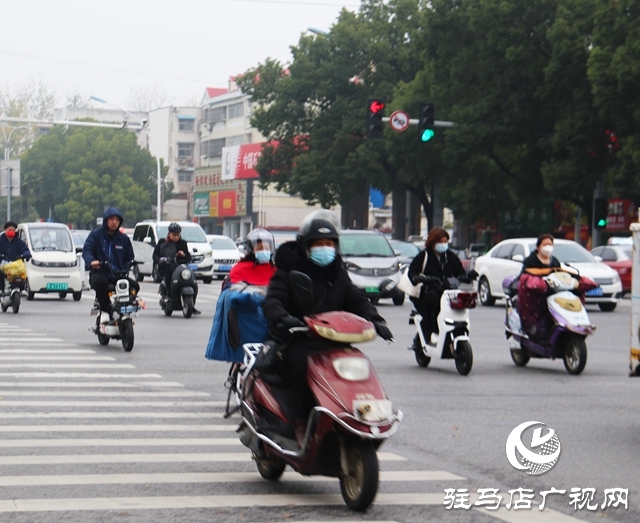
x=225, y=254
x=53, y=267
x=506, y=258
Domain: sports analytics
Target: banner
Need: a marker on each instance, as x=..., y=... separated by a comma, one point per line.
x=239, y=161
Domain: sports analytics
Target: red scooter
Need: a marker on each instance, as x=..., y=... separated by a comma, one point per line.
x=351, y=419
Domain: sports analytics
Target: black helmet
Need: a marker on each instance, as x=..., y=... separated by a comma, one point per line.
x=318, y=224
x=174, y=227
x=258, y=235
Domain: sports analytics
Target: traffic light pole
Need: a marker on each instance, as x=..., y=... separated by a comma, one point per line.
x=596, y=238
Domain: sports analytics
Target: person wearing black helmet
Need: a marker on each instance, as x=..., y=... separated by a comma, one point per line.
x=107, y=244
x=169, y=253
x=315, y=253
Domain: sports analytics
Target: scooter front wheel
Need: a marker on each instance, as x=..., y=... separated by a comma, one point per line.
x=421, y=358
x=519, y=357
x=15, y=302
x=271, y=469
x=187, y=306
x=464, y=357
x=575, y=354
x=359, y=483
x=127, y=335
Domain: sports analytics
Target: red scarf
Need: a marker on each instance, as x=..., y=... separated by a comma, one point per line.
x=252, y=273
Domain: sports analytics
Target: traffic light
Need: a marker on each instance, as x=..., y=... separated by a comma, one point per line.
x=600, y=213
x=426, y=120
x=375, y=112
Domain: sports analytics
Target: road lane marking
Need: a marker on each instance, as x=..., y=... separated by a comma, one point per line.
x=41, y=357
x=44, y=364
x=46, y=351
x=113, y=442
x=108, y=415
x=207, y=477
x=90, y=384
x=166, y=404
x=116, y=428
x=205, y=457
x=100, y=394
x=35, y=337
x=76, y=375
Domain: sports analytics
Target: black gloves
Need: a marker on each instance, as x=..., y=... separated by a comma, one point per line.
x=420, y=278
x=288, y=322
x=382, y=330
x=472, y=274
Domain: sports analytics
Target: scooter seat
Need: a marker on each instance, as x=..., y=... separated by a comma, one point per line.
x=272, y=378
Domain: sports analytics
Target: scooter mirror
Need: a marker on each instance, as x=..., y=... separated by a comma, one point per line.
x=302, y=288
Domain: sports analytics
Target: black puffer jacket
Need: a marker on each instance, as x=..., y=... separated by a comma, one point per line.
x=332, y=288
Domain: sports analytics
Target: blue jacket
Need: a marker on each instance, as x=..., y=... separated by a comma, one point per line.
x=238, y=320
x=11, y=250
x=115, y=249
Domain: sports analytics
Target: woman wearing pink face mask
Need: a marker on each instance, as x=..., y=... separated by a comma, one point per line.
x=11, y=247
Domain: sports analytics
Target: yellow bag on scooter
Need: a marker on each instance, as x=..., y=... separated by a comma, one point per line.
x=14, y=269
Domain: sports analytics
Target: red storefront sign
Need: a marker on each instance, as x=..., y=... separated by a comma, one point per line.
x=239, y=161
x=621, y=214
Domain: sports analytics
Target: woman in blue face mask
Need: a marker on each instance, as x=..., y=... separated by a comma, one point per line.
x=441, y=263
x=316, y=253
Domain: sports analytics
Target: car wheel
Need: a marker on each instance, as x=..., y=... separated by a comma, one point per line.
x=607, y=307
x=484, y=293
x=137, y=274
x=398, y=299
x=77, y=296
x=207, y=281
x=30, y=295
x=155, y=274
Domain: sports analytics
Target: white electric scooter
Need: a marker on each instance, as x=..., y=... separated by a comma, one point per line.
x=453, y=324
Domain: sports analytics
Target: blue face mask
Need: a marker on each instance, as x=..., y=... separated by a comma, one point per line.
x=322, y=256
x=263, y=256
x=441, y=247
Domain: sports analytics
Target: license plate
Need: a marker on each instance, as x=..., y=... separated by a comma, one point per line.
x=225, y=268
x=372, y=289
x=57, y=286
x=595, y=292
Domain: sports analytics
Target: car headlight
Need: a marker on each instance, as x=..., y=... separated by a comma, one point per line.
x=185, y=274
x=208, y=254
x=37, y=263
x=352, y=369
x=352, y=267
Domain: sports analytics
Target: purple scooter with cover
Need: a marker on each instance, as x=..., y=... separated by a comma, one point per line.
x=570, y=321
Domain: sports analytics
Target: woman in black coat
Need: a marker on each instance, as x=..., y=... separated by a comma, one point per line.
x=441, y=263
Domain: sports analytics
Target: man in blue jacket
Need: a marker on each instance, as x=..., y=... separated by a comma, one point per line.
x=107, y=244
x=11, y=247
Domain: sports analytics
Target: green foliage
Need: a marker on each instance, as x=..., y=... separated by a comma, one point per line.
x=79, y=171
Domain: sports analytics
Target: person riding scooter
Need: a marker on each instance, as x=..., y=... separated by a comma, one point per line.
x=441, y=263
x=316, y=254
x=169, y=253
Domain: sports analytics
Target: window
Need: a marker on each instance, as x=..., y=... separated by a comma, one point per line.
x=140, y=233
x=235, y=140
x=186, y=124
x=609, y=255
x=504, y=251
x=518, y=249
x=212, y=148
x=185, y=150
x=184, y=175
x=236, y=110
x=216, y=114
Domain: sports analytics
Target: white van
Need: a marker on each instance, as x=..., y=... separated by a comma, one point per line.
x=146, y=236
x=54, y=264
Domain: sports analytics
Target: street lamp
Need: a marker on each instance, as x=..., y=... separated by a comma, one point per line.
x=7, y=148
x=143, y=124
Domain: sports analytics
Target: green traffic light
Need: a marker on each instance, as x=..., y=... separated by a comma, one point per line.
x=427, y=135
x=602, y=223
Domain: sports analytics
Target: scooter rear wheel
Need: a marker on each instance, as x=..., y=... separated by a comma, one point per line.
x=421, y=358
x=519, y=357
x=359, y=483
x=464, y=357
x=271, y=468
x=575, y=354
x=15, y=302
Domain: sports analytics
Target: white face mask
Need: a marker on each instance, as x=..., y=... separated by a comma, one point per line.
x=547, y=250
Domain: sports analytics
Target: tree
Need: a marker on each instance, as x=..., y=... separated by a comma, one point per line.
x=147, y=98
x=78, y=171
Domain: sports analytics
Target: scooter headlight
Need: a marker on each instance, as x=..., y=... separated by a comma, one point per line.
x=352, y=369
x=185, y=274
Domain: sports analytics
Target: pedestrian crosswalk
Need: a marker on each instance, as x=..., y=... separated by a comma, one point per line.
x=111, y=438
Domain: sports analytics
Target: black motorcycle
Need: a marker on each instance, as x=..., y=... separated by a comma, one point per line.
x=183, y=288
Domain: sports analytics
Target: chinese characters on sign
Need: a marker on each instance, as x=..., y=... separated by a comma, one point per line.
x=621, y=214
x=239, y=161
x=522, y=498
x=224, y=199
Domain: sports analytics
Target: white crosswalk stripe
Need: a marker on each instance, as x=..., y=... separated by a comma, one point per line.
x=62, y=432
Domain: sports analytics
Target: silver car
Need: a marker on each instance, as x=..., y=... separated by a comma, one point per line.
x=372, y=264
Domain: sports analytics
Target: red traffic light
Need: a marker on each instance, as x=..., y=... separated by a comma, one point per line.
x=376, y=106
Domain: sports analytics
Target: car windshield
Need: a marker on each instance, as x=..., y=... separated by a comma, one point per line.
x=79, y=237
x=628, y=253
x=406, y=249
x=572, y=252
x=50, y=239
x=189, y=234
x=365, y=246
x=222, y=244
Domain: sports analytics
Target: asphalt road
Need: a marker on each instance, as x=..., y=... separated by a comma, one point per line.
x=90, y=433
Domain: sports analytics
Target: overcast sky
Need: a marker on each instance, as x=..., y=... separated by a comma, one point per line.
x=112, y=48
